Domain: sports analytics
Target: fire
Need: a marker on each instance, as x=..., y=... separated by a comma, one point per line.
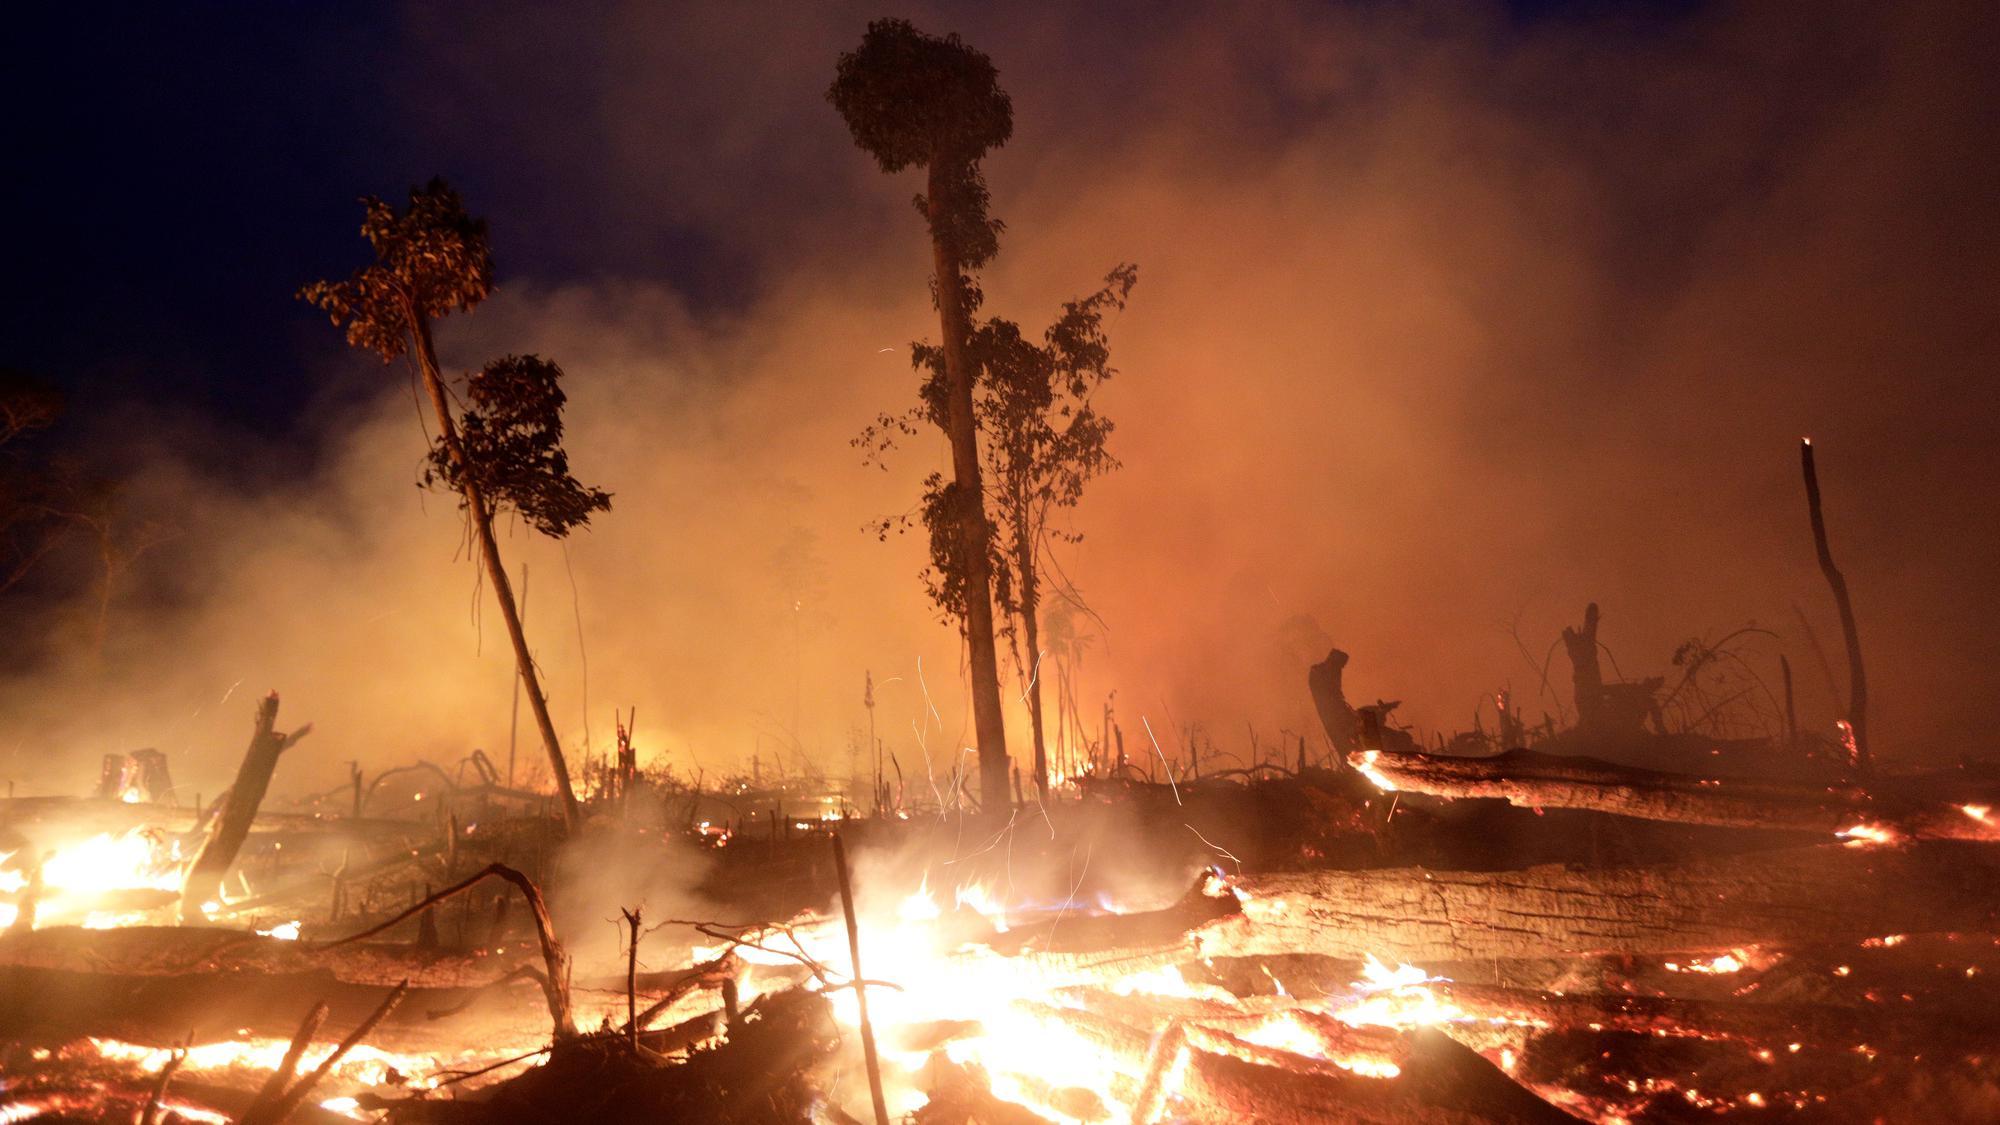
x=1734, y=961
x=81, y=881
x=1866, y=835
x=1365, y=765
x=1400, y=997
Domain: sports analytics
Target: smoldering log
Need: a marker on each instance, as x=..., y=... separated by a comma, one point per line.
x=1442, y=1082
x=1936, y=807
x=239, y=810
x=1774, y=1021
x=1831, y=893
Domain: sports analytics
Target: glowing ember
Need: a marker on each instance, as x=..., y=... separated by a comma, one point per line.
x=1365, y=765
x=1734, y=961
x=1867, y=835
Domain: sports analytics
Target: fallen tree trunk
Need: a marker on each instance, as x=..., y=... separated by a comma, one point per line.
x=1825, y=894
x=225, y=837
x=1832, y=1025
x=1924, y=808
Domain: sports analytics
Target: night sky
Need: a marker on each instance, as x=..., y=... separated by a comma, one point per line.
x=178, y=171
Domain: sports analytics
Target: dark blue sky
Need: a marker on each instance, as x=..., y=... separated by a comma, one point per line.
x=177, y=171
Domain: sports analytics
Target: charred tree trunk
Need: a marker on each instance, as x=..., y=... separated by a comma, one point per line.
x=1825, y=894
x=1342, y=725
x=496, y=573
x=231, y=827
x=1586, y=675
x=973, y=530
x=1857, y=677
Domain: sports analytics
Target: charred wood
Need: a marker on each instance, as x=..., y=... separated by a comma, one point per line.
x=1804, y=895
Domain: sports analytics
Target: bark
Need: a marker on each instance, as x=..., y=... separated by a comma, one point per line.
x=1935, y=807
x=1826, y=894
x=496, y=573
x=962, y=428
x=239, y=810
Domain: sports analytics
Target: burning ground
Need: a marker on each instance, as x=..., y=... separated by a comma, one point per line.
x=1353, y=931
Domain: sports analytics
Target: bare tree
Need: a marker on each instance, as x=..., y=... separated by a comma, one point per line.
x=505, y=450
x=916, y=100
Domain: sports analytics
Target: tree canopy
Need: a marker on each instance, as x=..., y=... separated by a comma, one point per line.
x=430, y=259
x=916, y=100
x=511, y=437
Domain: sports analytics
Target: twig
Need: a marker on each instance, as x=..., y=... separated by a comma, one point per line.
x=150, y=1115
x=281, y=1107
x=860, y=993
x=274, y=1086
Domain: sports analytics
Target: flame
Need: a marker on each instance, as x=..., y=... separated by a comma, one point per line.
x=1365, y=765
x=1866, y=835
x=1734, y=961
x=1400, y=997
x=75, y=875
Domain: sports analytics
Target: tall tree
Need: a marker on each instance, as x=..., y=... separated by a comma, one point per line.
x=1044, y=441
x=504, y=451
x=916, y=100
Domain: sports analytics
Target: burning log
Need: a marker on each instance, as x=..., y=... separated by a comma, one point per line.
x=239, y=810
x=758, y=1074
x=961, y=1095
x=1443, y=1082
x=1918, y=807
x=1806, y=895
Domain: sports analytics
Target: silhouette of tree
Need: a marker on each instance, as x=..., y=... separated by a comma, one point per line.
x=505, y=450
x=1043, y=440
x=916, y=100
